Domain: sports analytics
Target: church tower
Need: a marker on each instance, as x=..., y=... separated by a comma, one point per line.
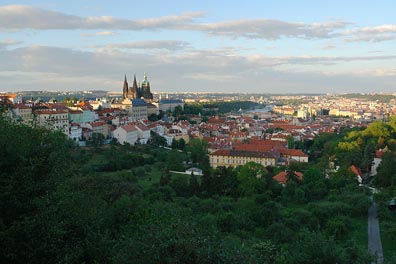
x=135, y=89
x=125, y=89
x=145, y=88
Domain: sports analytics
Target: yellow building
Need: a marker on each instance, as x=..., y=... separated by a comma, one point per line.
x=23, y=112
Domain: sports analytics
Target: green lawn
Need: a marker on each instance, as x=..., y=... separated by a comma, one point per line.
x=150, y=177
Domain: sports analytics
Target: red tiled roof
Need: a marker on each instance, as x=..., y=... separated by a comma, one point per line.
x=356, y=170
x=252, y=147
x=240, y=153
x=143, y=128
x=129, y=128
x=22, y=106
x=293, y=152
x=97, y=124
x=281, y=177
x=214, y=120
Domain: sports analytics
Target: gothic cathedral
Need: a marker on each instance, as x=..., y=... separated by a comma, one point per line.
x=137, y=91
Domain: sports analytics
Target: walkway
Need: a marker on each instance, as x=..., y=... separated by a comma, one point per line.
x=374, y=237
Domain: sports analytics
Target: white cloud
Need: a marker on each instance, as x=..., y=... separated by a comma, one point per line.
x=211, y=76
x=19, y=17
x=271, y=29
x=100, y=33
x=14, y=17
x=188, y=70
x=8, y=42
x=171, y=45
x=373, y=34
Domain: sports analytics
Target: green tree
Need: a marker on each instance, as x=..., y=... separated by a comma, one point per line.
x=157, y=139
x=250, y=178
x=180, y=184
x=97, y=139
x=386, y=176
x=194, y=187
x=199, y=152
x=290, y=142
x=182, y=144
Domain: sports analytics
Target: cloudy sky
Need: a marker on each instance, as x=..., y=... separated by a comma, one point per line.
x=274, y=46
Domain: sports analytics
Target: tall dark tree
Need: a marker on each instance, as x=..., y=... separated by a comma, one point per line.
x=194, y=184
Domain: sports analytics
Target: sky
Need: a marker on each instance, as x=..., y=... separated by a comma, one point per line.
x=273, y=46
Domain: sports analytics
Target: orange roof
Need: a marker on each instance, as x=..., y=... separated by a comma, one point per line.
x=260, y=145
x=97, y=124
x=252, y=147
x=240, y=153
x=143, y=128
x=9, y=95
x=213, y=120
x=293, y=152
x=282, y=178
x=356, y=170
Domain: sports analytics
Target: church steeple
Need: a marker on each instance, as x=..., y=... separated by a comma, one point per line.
x=125, y=88
x=135, y=89
x=145, y=88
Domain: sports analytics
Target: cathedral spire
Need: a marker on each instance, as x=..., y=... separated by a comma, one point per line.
x=135, y=88
x=125, y=88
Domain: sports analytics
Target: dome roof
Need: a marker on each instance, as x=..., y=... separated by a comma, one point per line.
x=145, y=81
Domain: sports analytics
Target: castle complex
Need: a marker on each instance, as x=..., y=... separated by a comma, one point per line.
x=137, y=91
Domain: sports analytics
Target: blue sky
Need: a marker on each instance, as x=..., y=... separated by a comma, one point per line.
x=219, y=46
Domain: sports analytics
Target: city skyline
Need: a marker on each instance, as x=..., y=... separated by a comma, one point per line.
x=200, y=46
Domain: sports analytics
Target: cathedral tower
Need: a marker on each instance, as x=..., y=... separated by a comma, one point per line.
x=125, y=89
x=145, y=88
x=135, y=89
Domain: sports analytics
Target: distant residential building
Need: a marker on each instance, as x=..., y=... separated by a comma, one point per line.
x=23, y=112
x=100, y=128
x=76, y=116
x=169, y=104
x=53, y=120
x=294, y=154
x=234, y=158
x=139, y=109
x=144, y=133
x=75, y=132
x=126, y=134
x=86, y=133
x=13, y=98
x=303, y=113
x=82, y=115
x=152, y=109
x=136, y=108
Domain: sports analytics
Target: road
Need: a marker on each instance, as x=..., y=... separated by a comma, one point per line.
x=374, y=237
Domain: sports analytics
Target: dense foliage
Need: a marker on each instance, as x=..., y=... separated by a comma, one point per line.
x=209, y=109
x=120, y=204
